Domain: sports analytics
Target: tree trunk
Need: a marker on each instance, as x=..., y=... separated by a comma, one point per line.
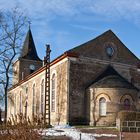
x=5, y=120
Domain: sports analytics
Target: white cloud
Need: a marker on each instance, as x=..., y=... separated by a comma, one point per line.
x=85, y=27
x=79, y=14
x=49, y=9
x=120, y=9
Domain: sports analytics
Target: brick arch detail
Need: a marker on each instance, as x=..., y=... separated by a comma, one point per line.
x=106, y=96
x=127, y=96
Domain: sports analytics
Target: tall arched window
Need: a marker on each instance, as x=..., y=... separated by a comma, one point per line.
x=53, y=93
x=126, y=104
x=42, y=97
x=20, y=102
x=33, y=100
x=26, y=102
x=10, y=107
x=102, y=106
x=15, y=104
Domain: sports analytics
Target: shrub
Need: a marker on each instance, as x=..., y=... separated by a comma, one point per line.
x=129, y=116
x=19, y=132
x=78, y=121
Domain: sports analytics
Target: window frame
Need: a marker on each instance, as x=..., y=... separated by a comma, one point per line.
x=33, y=100
x=127, y=105
x=26, y=102
x=102, y=107
x=42, y=96
x=20, y=102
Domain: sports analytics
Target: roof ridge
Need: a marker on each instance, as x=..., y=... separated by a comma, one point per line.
x=110, y=71
x=98, y=36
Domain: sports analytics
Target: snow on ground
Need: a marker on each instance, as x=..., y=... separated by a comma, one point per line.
x=67, y=131
x=74, y=134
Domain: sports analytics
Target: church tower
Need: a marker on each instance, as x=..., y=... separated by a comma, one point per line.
x=28, y=62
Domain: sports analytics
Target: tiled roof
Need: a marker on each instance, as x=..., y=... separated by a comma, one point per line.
x=110, y=78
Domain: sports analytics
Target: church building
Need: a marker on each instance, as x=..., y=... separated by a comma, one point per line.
x=89, y=84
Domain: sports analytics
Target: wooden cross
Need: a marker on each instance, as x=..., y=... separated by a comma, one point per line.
x=29, y=22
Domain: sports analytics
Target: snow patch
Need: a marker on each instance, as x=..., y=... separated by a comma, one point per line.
x=74, y=134
x=104, y=135
x=62, y=126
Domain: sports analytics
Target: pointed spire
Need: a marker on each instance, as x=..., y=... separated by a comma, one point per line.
x=28, y=49
x=29, y=22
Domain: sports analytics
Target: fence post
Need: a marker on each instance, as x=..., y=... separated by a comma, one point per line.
x=118, y=125
x=80, y=136
x=120, y=136
x=120, y=130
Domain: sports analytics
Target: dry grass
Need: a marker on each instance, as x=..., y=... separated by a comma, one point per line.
x=20, y=128
x=19, y=133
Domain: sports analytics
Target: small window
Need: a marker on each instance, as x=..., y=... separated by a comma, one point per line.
x=109, y=48
x=109, y=51
x=102, y=106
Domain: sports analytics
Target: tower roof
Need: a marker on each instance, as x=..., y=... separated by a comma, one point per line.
x=28, y=50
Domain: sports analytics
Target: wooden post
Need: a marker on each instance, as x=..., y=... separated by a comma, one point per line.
x=120, y=130
x=80, y=136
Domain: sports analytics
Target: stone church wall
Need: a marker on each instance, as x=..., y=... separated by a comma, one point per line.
x=83, y=72
x=114, y=98
x=60, y=114
x=81, y=76
x=15, y=93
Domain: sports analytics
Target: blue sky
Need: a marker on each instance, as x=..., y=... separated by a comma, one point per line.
x=65, y=24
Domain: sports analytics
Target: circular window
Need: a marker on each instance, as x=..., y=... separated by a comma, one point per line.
x=109, y=51
x=32, y=67
x=109, y=48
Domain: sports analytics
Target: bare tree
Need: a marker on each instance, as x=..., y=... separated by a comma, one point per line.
x=12, y=24
x=95, y=117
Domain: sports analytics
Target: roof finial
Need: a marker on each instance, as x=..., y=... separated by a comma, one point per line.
x=29, y=22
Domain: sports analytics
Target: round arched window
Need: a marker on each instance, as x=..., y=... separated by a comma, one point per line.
x=126, y=104
x=102, y=106
x=42, y=97
x=109, y=51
